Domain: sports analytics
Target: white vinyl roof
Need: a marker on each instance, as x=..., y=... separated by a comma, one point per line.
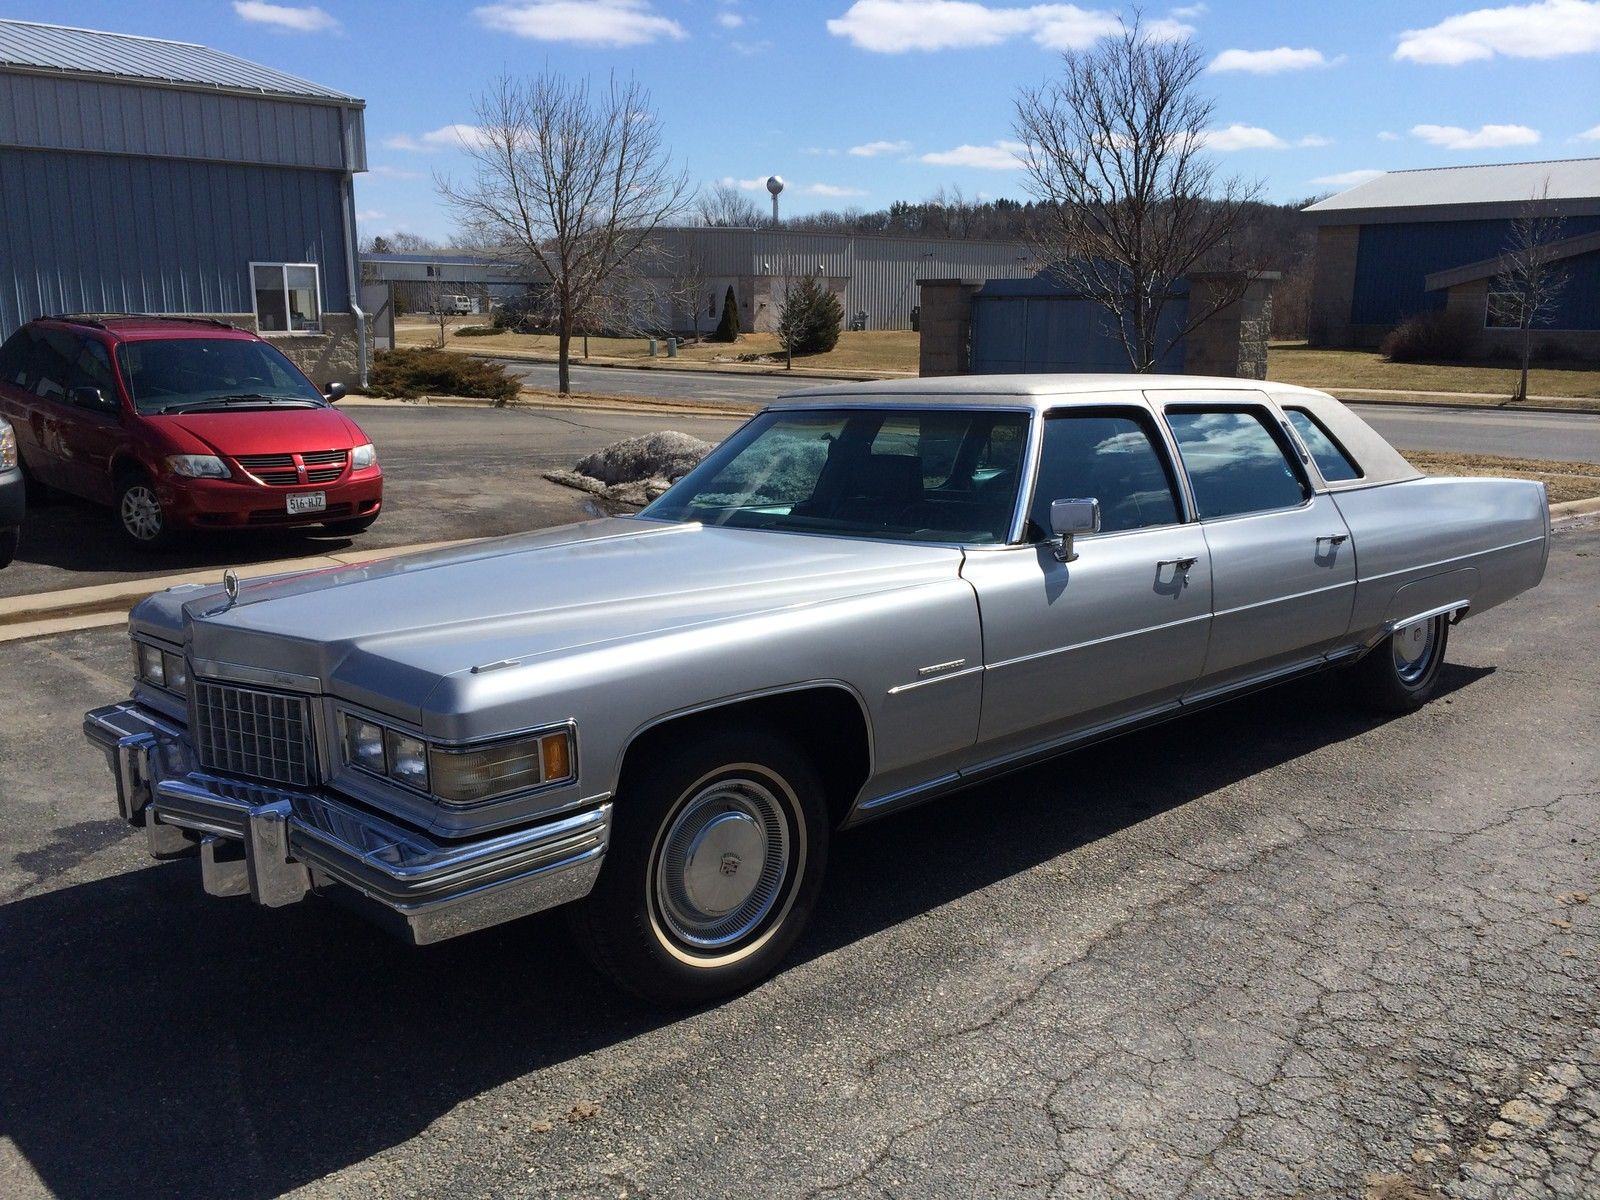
x=1562, y=179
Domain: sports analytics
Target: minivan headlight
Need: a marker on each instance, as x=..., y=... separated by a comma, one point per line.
x=459, y=774
x=363, y=457
x=8, y=447
x=198, y=466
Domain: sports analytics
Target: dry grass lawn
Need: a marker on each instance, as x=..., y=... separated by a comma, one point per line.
x=1565, y=480
x=1295, y=362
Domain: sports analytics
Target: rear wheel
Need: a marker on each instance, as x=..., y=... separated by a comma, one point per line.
x=716, y=860
x=1401, y=673
x=139, y=514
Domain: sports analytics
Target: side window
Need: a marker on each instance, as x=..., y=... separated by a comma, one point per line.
x=1111, y=457
x=1333, y=460
x=1235, y=462
x=84, y=363
x=49, y=367
x=13, y=357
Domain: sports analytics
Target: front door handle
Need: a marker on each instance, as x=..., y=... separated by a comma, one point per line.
x=1333, y=539
x=1183, y=564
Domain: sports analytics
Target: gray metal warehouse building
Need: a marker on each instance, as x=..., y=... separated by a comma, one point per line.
x=141, y=175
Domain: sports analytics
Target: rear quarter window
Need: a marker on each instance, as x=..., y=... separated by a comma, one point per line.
x=1332, y=459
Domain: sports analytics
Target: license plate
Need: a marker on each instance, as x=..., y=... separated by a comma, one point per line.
x=306, y=502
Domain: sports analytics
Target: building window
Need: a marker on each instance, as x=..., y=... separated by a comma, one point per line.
x=288, y=297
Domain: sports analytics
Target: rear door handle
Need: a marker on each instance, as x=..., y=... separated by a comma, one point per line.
x=1183, y=564
x=1333, y=539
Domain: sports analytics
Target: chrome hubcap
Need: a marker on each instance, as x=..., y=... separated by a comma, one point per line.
x=141, y=512
x=722, y=864
x=1413, y=649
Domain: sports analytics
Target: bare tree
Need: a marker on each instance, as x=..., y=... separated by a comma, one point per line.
x=1527, y=290
x=569, y=183
x=722, y=204
x=1130, y=203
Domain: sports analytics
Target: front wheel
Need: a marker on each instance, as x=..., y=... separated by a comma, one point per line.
x=1401, y=673
x=716, y=860
x=8, y=546
x=139, y=514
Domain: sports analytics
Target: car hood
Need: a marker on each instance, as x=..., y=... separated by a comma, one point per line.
x=266, y=431
x=384, y=633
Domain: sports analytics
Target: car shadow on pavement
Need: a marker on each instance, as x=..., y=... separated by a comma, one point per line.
x=157, y=1041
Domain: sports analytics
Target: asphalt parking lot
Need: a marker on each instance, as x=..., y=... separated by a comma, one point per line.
x=1278, y=948
x=449, y=472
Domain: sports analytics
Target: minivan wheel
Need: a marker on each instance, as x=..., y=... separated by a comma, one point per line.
x=1401, y=673
x=139, y=514
x=716, y=860
x=8, y=546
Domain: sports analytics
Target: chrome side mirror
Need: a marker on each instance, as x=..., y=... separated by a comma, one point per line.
x=1068, y=518
x=333, y=393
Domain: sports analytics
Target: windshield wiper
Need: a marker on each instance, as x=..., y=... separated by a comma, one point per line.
x=240, y=400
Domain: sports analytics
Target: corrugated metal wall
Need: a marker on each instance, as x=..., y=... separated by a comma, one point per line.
x=1038, y=326
x=92, y=232
x=1393, y=260
x=63, y=113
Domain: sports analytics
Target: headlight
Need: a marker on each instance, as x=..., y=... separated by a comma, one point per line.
x=457, y=775
x=363, y=457
x=198, y=466
x=161, y=668
x=8, y=447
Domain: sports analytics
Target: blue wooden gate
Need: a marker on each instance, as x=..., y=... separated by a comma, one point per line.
x=1041, y=326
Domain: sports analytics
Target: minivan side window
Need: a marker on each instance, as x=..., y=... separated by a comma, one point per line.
x=14, y=356
x=1236, y=463
x=1109, y=456
x=1332, y=459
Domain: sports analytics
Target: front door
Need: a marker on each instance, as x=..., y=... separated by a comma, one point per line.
x=1283, y=568
x=1070, y=647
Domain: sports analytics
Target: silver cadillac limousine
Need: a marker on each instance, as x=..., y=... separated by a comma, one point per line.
x=866, y=597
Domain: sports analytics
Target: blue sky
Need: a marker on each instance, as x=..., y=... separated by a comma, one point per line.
x=862, y=102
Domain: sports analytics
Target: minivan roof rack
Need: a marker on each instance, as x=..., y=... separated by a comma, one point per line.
x=98, y=319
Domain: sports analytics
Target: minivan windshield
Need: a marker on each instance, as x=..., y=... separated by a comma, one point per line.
x=199, y=374
x=903, y=474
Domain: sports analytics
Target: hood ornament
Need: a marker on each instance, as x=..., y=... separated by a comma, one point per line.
x=230, y=585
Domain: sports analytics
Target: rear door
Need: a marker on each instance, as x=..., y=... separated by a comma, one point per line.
x=1283, y=568
x=1121, y=630
x=78, y=400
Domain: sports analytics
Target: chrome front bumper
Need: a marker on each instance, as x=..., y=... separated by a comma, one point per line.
x=276, y=845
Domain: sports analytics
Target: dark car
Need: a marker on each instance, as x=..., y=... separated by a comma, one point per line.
x=182, y=423
x=11, y=497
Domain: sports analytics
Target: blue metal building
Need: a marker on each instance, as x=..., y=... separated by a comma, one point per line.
x=141, y=175
x=1385, y=247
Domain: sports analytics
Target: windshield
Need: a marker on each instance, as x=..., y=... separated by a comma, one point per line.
x=926, y=475
x=190, y=374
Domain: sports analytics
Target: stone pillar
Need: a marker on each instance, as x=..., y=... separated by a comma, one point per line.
x=1333, y=285
x=1233, y=341
x=945, y=321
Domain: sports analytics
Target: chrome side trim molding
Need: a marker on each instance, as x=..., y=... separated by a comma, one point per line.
x=1113, y=637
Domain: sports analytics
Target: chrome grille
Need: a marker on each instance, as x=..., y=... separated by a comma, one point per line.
x=244, y=731
x=324, y=466
x=271, y=468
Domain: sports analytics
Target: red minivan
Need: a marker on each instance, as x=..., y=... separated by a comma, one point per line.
x=183, y=423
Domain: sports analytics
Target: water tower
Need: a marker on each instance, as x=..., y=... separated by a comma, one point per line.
x=774, y=185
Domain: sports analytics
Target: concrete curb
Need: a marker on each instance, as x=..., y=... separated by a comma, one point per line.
x=1446, y=400
x=102, y=604
x=698, y=368
x=1574, y=508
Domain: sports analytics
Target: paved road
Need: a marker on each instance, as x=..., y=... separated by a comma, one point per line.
x=1574, y=436
x=1274, y=949
x=449, y=473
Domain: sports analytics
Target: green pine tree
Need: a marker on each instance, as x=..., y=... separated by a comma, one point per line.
x=809, y=321
x=728, y=326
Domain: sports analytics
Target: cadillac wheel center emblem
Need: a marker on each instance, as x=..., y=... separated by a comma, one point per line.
x=730, y=864
x=230, y=584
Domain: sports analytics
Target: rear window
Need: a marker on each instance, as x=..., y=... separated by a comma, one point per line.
x=1332, y=459
x=1235, y=461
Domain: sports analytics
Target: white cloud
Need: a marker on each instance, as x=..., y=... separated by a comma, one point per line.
x=1591, y=135
x=748, y=185
x=1347, y=179
x=874, y=149
x=1544, y=30
x=389, y=172
x=296, y=18
x=403, y=141
x=446, y=137
x=1167, y=29
x=895, y=26
x=1485, y=137
x=1271, y=62
x=1313, y=140
x=1190, y=11
x=830, y=189
x=370, y=214
x=730, y=20
x=1388, y=135
x=587, y=22
x=1001, y=156
x=1242, y=137
x=819, y=152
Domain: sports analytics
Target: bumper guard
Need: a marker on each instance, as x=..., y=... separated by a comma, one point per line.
x=277, y=845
